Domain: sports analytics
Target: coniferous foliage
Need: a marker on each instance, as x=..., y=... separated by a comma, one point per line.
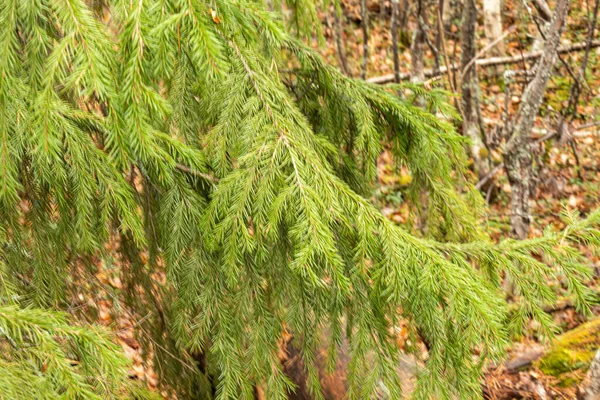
x=45, y=357
x=219, y=149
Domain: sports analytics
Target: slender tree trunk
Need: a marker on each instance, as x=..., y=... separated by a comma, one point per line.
x=440, y=25
x=517, y=154
x=446, y=6
x=546, y=14
x=470, y=89
x=417, y=75
x=338, y=33
x=403, y=19
x=590, y=387
x=542, y=7
x=424, y=25
x=364, y=14
x=441, y=45
x=571, y=109
x=417, y=47
x=493, y=29
x=395, y=21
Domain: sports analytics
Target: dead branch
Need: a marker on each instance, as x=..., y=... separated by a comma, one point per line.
x=488, y=62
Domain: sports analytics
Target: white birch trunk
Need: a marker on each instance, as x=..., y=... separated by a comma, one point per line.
x=492, y=20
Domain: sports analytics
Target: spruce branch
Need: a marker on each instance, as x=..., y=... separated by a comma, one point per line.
x=172, y=132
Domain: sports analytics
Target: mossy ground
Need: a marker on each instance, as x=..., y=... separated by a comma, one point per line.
x=571, y=354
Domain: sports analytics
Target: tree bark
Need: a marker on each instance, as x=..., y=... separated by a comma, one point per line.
x=575, y=92
x=364, y=14
x=338, y=32
x=417, y=47
x=546, y=15
x=590, y=388
x=542, y=7
x=493, y=29
x=382, y=10
x=470, y=89
x=395, y=21
x=403, y=20
x=446, y=12
x=517, y=155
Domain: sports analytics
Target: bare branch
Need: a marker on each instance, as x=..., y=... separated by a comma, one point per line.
x=488, y=62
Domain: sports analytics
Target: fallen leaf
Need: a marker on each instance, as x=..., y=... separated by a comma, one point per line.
x=215, y=17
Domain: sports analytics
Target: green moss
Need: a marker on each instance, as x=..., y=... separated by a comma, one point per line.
x=571, y=354
x=570, y=381
x=564, y=360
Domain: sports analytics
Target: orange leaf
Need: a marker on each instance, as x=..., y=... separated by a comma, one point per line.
x=215, y=17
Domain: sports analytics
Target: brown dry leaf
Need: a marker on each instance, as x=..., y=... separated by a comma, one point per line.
x=102, y=277
x=215, y=17
x=398, y=218
x=138, y=370
x=151, y=379
x=130, y=352
x=104, y=316
x=401, y=334
x=116, y=282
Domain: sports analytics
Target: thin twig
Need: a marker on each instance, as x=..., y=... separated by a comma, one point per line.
x=489, y=176
x=448, y=69
x=208, y=177
x=436, y=54
x=500, y=166
x=510, y=30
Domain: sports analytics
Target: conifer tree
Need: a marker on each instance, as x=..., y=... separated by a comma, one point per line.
x=216, y=147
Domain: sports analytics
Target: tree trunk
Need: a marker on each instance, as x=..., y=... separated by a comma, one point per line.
x=338, y=32
x=395, y=21
x=364, y=14
x=446, y=12
x=546, y=14
x=517, y=155
x=403, y=19
x=542, y=7
x=493, y=29
x=571, y=110
x=470, y=90
x=590, y=388
x=417, y=47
